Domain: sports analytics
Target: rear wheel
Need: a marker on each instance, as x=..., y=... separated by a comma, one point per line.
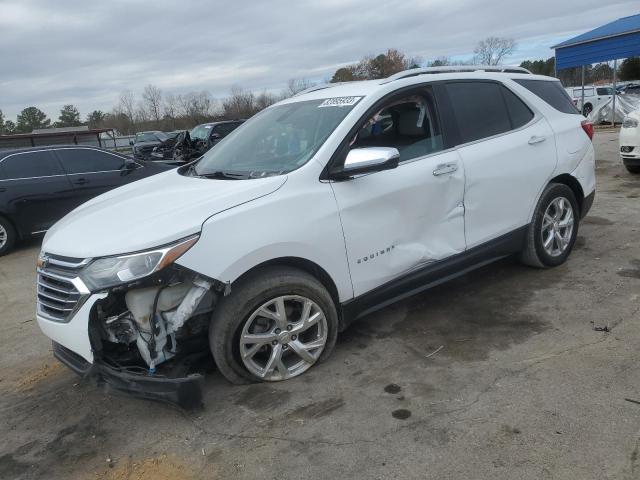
x=633, y=168
x=554, y=228
x=7, y=236
x=588, y=108
x=276, y=324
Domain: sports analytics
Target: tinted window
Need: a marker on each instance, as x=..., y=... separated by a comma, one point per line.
x=479, y=109
x=552, y=93
x=225, y=128
x=86, y=160
x=518, y=111
x=32, y=164
x=605, y=91
x=408, y=124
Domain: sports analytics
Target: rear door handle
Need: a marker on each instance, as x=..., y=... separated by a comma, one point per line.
x=3, y=189
x=535, y=139
x=445, y=168
x=81, y=181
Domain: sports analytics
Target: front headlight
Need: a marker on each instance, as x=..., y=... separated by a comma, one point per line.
x=108, y=272
x=629, y=122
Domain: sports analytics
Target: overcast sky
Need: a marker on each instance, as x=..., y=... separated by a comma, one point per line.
x=87, y=52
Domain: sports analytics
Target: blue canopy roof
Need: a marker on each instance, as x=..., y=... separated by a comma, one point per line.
x=618, y=39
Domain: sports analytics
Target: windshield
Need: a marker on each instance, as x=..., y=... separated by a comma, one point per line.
x=201, y=132
x=277, y=140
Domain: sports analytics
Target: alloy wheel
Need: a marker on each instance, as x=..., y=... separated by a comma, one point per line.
x=283, y=337
x=4, y=236
x=557, y=226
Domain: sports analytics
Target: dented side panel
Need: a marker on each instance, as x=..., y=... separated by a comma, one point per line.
x=398, y=220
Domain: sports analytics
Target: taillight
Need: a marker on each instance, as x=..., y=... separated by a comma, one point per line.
x=587, y=126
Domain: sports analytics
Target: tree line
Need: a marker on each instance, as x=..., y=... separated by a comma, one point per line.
x=153, y=109
x=628, y=69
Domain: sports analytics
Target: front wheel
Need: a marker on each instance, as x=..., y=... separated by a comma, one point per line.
x=7, y=236
x=554, y=228
x=275, y=325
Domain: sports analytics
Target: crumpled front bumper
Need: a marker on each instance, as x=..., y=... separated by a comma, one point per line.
x=185, y=392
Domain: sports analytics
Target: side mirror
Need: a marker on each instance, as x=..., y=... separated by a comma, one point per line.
x=367, y=160
x=129, y=166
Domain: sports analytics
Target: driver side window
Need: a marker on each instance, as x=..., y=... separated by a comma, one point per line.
x=409, y=124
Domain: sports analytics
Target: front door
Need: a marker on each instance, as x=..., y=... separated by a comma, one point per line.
x=91, y=171
x=397, y=221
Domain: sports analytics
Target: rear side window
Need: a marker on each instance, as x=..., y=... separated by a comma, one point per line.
x=518, y=111
x=551, y=92
x=30, y=165
x=225, y=129
x=86, y=160
x=479, y=109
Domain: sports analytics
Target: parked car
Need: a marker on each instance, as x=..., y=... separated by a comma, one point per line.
x=39, y=185
x=187, y=146
x=630, y=88
x=203, y=137
x=315, y=212
x=594, y=97
x=630, y=142
x=144, y=143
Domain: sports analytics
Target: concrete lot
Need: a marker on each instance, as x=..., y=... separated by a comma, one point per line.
x=522, y=385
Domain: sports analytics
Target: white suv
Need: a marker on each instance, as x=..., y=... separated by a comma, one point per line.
x=315, y=212
x=594, y=98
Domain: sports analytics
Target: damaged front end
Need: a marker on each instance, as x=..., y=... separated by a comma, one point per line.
x=149, y=333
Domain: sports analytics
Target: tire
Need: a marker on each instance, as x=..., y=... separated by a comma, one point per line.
x=536, y=252
x=8, y=236
x=632, y=168
x=588, y=108
x=239, y=315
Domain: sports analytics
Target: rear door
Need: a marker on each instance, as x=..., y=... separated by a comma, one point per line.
x=92, y=172
x=34, y=190
x=508, y=153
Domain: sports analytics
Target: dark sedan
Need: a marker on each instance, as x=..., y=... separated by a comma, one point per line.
x=40, y=185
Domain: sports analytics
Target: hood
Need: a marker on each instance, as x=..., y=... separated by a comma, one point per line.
x=148, y=213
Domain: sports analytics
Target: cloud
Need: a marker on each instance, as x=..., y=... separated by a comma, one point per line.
x=86, y=53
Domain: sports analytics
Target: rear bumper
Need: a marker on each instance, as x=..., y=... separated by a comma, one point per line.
x=185, y=392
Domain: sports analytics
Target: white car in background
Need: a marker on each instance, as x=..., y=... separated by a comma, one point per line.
x=594, y=98
x=630, y=141
x=315, y=212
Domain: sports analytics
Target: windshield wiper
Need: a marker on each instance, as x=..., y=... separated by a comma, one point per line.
x=224, y=175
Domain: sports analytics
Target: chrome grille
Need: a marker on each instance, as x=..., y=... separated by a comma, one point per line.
x=60, y=290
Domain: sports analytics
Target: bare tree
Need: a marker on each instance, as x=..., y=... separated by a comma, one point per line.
x=152, y=98
x=492, y=50
x=297, y=85
x=127, y=106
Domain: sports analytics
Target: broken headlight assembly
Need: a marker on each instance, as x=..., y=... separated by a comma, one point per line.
x=107, y=272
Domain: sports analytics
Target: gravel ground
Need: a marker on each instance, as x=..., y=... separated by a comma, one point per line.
x=499, y=374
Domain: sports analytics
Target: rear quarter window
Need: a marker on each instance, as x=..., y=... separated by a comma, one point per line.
x=551, y=92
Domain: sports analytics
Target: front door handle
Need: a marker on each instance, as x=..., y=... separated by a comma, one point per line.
x=3, y=189
x=81, y=181
x=445, y=168
x=535, y=139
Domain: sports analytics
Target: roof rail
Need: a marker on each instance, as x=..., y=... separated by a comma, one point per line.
x=322, y=86
x=455, y=68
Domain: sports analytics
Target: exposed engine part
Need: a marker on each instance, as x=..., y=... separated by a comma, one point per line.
x=159, y=312
x=121, y=328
